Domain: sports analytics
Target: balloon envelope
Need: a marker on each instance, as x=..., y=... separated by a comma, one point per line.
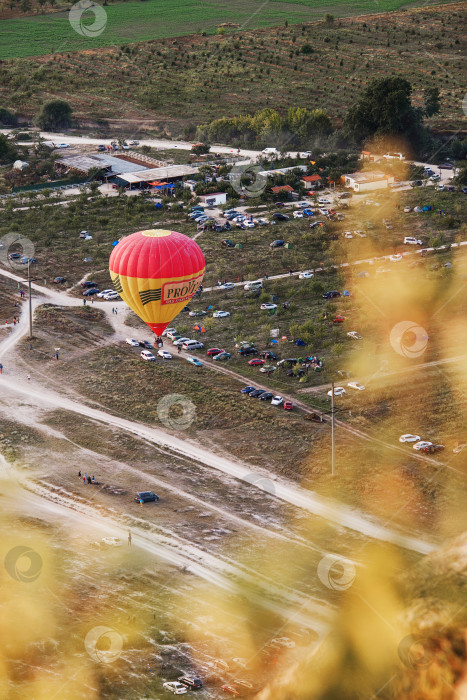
x=156, y=272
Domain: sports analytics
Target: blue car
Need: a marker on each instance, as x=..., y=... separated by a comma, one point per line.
x=248, y=389
x=194, y=361
x=308, y=212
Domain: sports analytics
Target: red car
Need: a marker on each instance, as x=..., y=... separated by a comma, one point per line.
x=231, y=690
x=214, y=351
x=339, y=319
x=256, y=362
x=288, y=405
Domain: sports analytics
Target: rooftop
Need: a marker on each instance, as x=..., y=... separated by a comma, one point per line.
x=150, y=174
x=101, y=160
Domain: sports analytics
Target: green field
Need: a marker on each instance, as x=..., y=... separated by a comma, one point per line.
x=136, y=21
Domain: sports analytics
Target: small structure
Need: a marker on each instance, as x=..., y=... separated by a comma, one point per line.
x=20, y=165
x=366, y=181
x=279, y=189
x=213, y=200
x=312, y=182
x=190, y=184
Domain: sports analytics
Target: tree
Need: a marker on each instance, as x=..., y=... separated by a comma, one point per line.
x=55, y=114
x=8, y=152
x=431, y=99
x=200, y=148
x=384, y=108
x=329, y=19
x=7, y=118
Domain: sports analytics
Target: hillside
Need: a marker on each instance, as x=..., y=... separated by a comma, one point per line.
x=180, y=83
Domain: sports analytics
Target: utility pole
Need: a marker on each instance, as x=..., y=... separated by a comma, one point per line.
x=333, y=451
x=30, y=300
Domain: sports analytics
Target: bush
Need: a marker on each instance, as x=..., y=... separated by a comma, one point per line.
x=7, y=118
x=55, y=114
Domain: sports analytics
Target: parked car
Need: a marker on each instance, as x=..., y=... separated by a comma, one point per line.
x=222, y=356
x=277, y=244
x=194, y=361
x=102, y=294
x=147, y=355
x=298, y=215
x=338, y=391
x=191, y=682
x=175, y=687
x=339, y=319
x=227, y=243
x=192, y=345
x=228, y=285
x=91, y=292
x=88, y=284
x=278, y=216
x=288, y=405
x=60, y=280
x=62, y=145
x=164, y=354
x=268, y=307
x=180, y=341
x=354, y=335
x=146, y=496
x=170, y=333
x=266, y=396
x=253, y=286
x=214, y=351
x=421, y=445
x=256, y=362
x=197, y=314
x=331, y=295
x=277, y=400
x=247, y=389
x=432, y=448
x=256, y=393
x=247, y=351
x=268, y=355
x=411, y=240
x=445, y=166
x=267, y=369
x=356, y=385
x=307, y=275
x=409, y=438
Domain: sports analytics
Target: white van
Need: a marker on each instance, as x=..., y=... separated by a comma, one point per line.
x=411, y=240
x=192, y=345
x=251, y=286
x=270, y=152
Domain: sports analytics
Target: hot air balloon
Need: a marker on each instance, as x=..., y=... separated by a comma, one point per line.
x=156, y=273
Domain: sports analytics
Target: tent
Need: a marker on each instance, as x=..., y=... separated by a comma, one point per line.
x=199, y=328
x=115, y=243
x=300, y=342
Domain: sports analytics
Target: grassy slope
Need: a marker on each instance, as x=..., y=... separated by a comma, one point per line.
x=136, y=21
x=217, y=76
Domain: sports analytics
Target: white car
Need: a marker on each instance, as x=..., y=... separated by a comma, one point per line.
x=147, y=355
x=168, y=331
x=407, y=209
x=395, y=258
x=338, y=391
x=268, y=307
x=409, y=438
x=298, y=215
x=102, y=294
x=220, y=314
x=131, y=341
x=356, y=385
x=348, y=234
x=112, y=296
x=249, y=224
x=175, y=687
x=307, y=275
x=111, y=541
x=228, y=285
x=420, y=445
x=411, y=240
x=354, y=335
x=277, y=401
x=323, y=200
x=324, y=211
x=164, y=354
x=62, y=145
x=180, y=341
x=284, y=642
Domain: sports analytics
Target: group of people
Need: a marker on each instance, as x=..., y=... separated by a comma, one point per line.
x=86, y=478
x=114, y=310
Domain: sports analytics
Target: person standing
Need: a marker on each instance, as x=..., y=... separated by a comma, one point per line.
x=56, y=355
x=129, y=538
x=29, y=377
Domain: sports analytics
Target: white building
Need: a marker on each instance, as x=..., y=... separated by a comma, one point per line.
x=213, y=200
x=364, y=182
